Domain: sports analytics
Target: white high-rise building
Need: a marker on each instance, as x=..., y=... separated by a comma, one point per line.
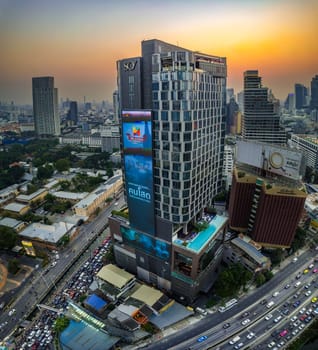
x=45, y=107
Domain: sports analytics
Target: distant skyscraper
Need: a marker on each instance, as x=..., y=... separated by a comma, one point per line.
x=45, y=107
x=314, y=93
x=290, y=103
x=173, y=126
x=229, y=95
x=72, y=114
x=232, y=109
x=261, y=120
x=301, y=93
x=116, y=106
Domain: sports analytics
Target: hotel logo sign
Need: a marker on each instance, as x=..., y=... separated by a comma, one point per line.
x=130, y=65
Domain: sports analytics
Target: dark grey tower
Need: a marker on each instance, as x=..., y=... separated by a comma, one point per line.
x=261, y=120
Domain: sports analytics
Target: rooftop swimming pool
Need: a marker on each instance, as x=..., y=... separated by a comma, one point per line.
x=203, y=237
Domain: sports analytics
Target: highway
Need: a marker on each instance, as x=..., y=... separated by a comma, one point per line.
x=37, y=288
x=212, y=325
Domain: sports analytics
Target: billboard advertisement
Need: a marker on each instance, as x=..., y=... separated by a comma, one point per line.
x=138, y=163
x=137, y=137
x=139, y=189
x=277, y=160
x=148, y=244
x=28, y=247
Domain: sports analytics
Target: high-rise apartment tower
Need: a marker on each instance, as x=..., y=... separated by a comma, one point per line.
x=45, y=107
x=173, y=126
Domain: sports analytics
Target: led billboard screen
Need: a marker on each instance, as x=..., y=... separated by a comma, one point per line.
x=137, y=147
x=278, y=160
x=137, y=136
x=148, y=244
x=138, y=175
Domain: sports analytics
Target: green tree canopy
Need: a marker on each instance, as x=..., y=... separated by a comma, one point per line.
x=45, y=171
x=8, y=237
x=62, y=164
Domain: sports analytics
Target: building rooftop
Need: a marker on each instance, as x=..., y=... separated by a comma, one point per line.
x=70, y=195
x=9, y=222
x=250, y=250
x=48, y=233
x=114, y=275
x=16, y=207
x=29, y=197
x=148, y=295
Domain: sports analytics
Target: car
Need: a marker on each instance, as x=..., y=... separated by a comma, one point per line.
x=245, y=322
x=287, y=286
x=263, y=302
x=226, y=325
x=238, y=346
x=311, y=266
x=276, y=294
x=268, y=317
x=277, y=319
x=271, y=344
x=305, y=271
x=315, y=270
x=283, y=333
x=302, y=310
x=11, y=312
x=308, y=319
x=308, y=293
x=309, y=311
x=250, y=335
x=298, y=276
x=293, y=319
x=202, y=338
x=295, y=331
x=314, y=299
x=245, y=314
x=116, y=203
x=303, y=317
x=295, y=259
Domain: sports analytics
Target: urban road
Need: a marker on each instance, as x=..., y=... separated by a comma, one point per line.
x=189, y=334
x=35, y=290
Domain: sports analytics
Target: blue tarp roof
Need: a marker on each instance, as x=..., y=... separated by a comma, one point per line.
x=95, y=302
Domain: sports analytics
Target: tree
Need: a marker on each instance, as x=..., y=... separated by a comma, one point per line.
x=260, y=279
x=8, y=237
x=60, y=324
x=13, y=266
x=45, y=172
x=62, y=164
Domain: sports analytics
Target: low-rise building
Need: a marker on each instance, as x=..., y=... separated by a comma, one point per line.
x=17, y=208
x=16, y=225
x=244, y=250
x=114, y=281
x=37, y=196
x=96, y=199
x=72, y=197
x=47, y=236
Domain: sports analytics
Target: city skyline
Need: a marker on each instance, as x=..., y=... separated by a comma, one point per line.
x=79, y=43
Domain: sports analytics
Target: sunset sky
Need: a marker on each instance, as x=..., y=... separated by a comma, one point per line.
x=79, y=41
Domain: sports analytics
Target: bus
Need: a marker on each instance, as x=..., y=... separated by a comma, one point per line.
x=228, y=305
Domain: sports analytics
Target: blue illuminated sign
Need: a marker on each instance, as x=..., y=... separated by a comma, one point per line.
x=137, y=136
x=150, y=245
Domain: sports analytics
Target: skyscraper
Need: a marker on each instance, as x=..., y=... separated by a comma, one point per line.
x=301, y=93
x=72, y=114
x=314, y=93
x=173, y=127
x=45, y=107
x=261, y=120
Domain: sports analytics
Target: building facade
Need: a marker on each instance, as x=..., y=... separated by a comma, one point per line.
x=261, y=120
x=314, y=93
x=308, y=144
x=173, y=126
x=45, y=107
x=301, y=95
x=271, y=212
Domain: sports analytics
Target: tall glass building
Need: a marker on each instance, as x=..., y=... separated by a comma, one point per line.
x=45, y=107
x=172, y=107
x=261, y=119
